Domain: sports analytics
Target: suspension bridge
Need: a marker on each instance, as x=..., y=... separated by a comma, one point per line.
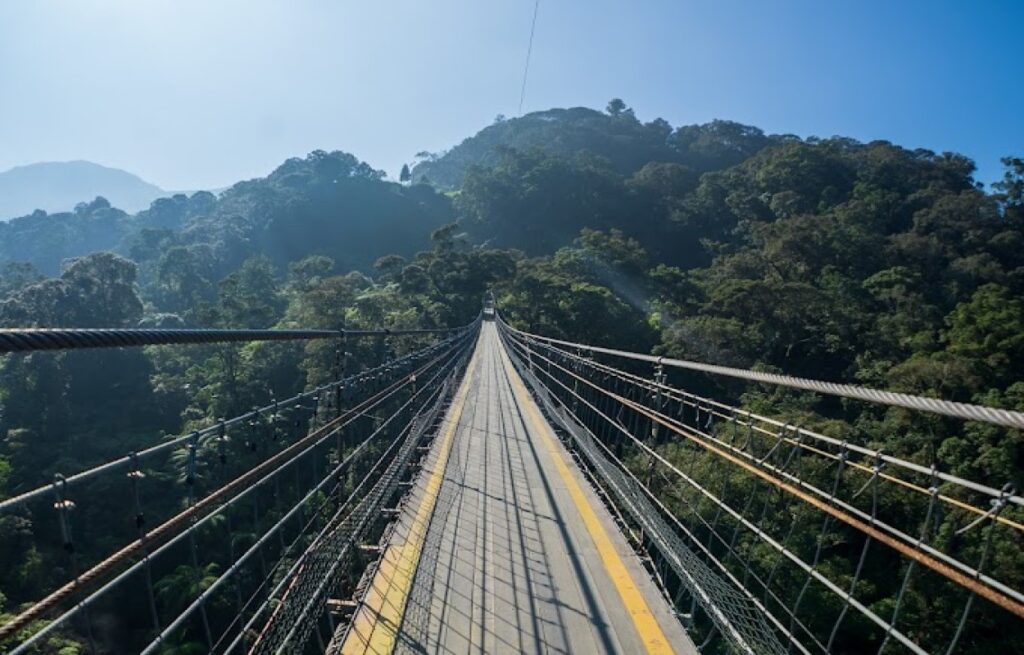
x=493, y=490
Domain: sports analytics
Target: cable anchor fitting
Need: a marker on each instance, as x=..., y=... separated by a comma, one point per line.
x=190, y=461
x=63, y=506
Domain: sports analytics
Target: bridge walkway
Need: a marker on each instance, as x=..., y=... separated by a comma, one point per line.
x=503, y=546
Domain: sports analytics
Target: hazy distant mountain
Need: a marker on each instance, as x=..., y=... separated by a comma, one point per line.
x=59, y=186
x=328, y=203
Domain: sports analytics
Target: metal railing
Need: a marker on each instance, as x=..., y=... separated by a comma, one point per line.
x=387, y=393
x=735, y=487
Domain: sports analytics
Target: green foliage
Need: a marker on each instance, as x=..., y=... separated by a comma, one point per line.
x=46, y=240
x=616, y=136
x=615, y=107
x=354, y=215
x=15, y=276
x=1011, y=187
x=93, y=291
x=180, y=587
x=250, y=296
x=989, y=329
x=538, y=203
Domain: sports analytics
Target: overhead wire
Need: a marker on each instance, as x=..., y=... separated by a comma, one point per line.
x=529, y=52
x=966, y=411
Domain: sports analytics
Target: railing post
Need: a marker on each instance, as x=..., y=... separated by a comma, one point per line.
x=340, y=371
x=659, y=380
x=340, y=363
x=576, y=382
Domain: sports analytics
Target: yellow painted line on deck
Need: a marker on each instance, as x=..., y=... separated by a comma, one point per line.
x=647, y=626
x=375, y=627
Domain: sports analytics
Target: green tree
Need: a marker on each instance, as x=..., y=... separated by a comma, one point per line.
x=989, y=329
x=15, y=276
x=309, y=271
x=181, y=586
x=184, y=278
x=1011, y=188
x=250, y=297
x=615, y=107
x=390, y=265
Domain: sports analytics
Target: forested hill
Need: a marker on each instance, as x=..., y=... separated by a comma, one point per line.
x=326, y=203
x=616, y=136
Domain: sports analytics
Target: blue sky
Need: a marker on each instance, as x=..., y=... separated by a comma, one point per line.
x=192, y=94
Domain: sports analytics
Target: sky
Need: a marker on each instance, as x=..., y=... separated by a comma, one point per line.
x=195, y=94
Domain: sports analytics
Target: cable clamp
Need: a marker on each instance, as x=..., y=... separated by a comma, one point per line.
x=135, y=473
x=190, y=463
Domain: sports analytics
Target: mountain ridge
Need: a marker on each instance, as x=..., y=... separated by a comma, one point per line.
x=58, y=186
x=616, y=136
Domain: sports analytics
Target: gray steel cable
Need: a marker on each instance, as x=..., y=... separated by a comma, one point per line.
x=728, y=413
x=200, y=600
x=122, y=462
x=33, y=339
x=733, y=611
x=966, y=411
x=316, y=569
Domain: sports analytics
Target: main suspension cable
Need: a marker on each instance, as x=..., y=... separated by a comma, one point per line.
x=35, y=339
x=212, y=430
x=967, y=411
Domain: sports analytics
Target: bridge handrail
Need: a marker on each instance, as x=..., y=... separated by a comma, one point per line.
x=18, y=500
x=593, y=377
x=825, y=501
x=34, y=339
x=198, y=513
x=728, y=412
x=966, y=411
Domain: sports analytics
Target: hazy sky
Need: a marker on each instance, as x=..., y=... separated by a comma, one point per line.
x=191, y=94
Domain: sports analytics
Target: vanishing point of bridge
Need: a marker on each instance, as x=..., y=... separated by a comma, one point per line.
x=503, y=546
